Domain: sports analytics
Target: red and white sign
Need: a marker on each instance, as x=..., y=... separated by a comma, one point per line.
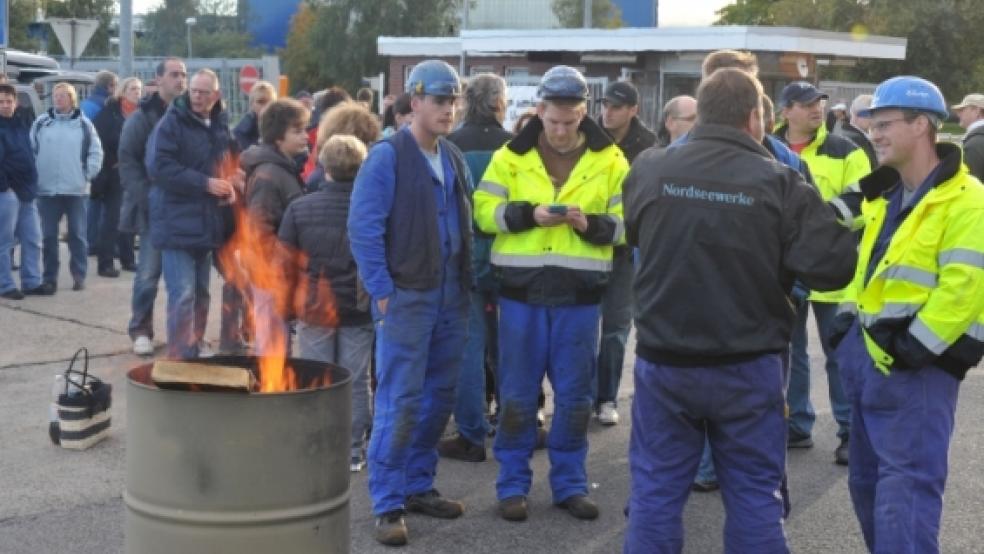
x=248, y=76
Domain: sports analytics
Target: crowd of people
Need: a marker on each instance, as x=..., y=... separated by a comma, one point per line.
x=447, y=262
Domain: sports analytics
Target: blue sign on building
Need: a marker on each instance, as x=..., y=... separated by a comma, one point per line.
x=638, y=13
x=269, y=22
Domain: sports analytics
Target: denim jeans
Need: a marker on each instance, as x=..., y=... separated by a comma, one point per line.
x=351, y=348
x=186, y=275
x=110, y=243
x=52, y=208
x=469, y=405
x=739, y=408
x=19, y=222
x=616, y=322
x=801, y=414
x=94, y=210
x=145, y=290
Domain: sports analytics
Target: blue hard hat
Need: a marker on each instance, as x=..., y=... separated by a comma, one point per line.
x=907, y=93
x=561, y=82
x=435, y=78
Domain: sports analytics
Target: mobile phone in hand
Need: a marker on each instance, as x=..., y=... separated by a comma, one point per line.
x=557, y=209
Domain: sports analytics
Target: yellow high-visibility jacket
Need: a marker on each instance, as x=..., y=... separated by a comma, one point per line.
x=552, y=265
x=925, y=300
x=836, y=164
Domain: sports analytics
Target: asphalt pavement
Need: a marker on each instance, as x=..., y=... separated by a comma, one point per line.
x=59, y=501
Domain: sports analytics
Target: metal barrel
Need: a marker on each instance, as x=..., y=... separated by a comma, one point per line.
x=216, y=472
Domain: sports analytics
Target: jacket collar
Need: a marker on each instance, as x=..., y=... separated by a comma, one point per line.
x=74, y=114
x=153, y=103
x=596, y=137
x=880, y=181
x=182, y=105
x=816, y=141
x=729, y=134
x=635, y=133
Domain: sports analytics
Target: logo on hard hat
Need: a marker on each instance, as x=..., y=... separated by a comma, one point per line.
x=921, y=94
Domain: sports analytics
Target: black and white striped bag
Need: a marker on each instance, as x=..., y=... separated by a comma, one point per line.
x=82, y=407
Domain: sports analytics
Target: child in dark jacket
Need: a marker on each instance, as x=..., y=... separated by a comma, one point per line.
x=334, y=324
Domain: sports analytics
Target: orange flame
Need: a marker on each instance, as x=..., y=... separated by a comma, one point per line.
x=255, y=259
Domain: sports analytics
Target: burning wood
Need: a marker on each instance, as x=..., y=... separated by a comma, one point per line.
x=172, y=374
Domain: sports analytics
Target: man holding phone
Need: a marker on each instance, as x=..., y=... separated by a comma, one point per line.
x=552, y=197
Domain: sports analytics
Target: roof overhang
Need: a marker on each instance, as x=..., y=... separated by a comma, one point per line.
x=651, y=39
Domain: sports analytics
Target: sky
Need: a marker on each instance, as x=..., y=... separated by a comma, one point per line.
x=672, y=13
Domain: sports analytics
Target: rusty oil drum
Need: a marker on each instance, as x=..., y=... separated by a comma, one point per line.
x=222, y=472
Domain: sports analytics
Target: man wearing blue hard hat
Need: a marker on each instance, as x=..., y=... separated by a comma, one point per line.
x=552, y=196
x=410, y=231
x=913, y=325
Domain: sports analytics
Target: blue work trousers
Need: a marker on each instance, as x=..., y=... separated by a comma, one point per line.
x=901, y=428
x=801, y=414
x=739, y=408
x=19, y=223
x=52, y=208
x=469, y=406
x=616, y=322
x=420, y=344
x=145, y=282
x=560, y=342
x=186, y=276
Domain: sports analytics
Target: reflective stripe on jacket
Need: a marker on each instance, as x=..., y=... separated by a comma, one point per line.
x=924, y=301
x=516, y=181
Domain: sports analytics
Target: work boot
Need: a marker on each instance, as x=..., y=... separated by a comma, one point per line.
x=431, y=503
x=391, y=529
x=705, y=486
x=841, y=453
x=460, y=448
x=580, y=507
x=44, y=289
x=108, y=271
x=513, y=508
x=13, y=294
x=799, y=441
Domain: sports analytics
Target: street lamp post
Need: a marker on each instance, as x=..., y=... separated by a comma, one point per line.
x=190, y=22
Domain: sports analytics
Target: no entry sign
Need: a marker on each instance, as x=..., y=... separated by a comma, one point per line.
x=248, y=76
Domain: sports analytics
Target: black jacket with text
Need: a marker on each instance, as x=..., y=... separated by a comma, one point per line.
x=723, y=229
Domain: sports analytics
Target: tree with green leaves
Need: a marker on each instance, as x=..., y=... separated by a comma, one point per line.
x=217, y=33
x=333, y=42
x=943, y=35
x=22, y=13
x=604, y=14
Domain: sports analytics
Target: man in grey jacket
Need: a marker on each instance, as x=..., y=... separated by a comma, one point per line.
x=172, y=79
x=971, y=114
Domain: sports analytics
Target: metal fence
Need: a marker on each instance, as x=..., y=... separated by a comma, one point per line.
x=237, y=103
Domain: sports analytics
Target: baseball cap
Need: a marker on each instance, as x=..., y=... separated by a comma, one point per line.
x=800, y=91
x=622, y=93
x=975, y=100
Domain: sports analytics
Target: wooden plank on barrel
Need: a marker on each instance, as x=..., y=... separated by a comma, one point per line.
x=170, y=374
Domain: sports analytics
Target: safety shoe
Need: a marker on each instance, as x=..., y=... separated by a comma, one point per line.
x=607, y=415
x=110, y=272
x=799, y=441
x=143, y=346
x=841, y=453
x=391, y=529
x=513, y=508
x=580, y=507
x=431, y=503
x=460, y=448
x=705, y=486
x=44, y=289
x=13, y=294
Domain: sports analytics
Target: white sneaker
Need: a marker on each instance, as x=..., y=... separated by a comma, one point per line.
x=607, y=414
x=143, y=346
x=205, y=350
x=357, y=464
